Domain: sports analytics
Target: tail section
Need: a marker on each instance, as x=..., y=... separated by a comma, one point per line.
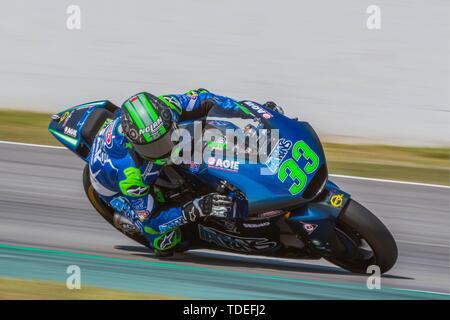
x=76, y=127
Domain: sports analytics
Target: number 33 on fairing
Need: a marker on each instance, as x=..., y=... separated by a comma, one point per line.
x=290, y=168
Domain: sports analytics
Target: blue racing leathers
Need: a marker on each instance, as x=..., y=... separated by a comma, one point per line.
x=126, y=185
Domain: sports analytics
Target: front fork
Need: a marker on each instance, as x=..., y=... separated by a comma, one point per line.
x=315, y=222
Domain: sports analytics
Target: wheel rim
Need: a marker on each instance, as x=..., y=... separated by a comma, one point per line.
x=358, y=247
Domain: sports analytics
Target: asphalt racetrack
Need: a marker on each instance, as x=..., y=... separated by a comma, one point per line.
x=47, y=224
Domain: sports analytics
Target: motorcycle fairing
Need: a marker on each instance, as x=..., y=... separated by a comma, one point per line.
x=241, y=236
x=266, y=192
x=66, y=126
x=316, y=221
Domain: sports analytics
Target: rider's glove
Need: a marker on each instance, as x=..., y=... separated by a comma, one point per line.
x=212, y=204
x=273, y=106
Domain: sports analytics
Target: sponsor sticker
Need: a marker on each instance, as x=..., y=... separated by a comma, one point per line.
x=139, y=203
x=70, y=132
x=153, y=128
x=65, y=117
x=194, y=167
x=105, y=124
x=227, y=165
x=171, y=224
x=142, y=214
x=336, y=199
x=109, y=136
x=278, y=154
x=256, y=225
x=235, y=243
x=120, y=204
x=218, y=144
x=309, y=227
x=259, y=110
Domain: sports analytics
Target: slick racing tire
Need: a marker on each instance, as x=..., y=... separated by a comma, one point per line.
x=104, y=210
x=367, y=240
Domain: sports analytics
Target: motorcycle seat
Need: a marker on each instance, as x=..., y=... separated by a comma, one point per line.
x=93, y=124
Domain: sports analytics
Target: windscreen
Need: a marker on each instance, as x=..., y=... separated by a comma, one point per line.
x=248, y=135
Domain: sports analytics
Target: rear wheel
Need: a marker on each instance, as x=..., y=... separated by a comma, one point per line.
x=104, y=210
x=366, y=239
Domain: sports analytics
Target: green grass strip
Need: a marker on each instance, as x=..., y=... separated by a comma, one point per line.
x=21, y=289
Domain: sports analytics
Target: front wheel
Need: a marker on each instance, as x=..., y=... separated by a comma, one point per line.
x=366, y=239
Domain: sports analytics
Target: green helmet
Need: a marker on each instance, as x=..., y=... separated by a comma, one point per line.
x=148, y=125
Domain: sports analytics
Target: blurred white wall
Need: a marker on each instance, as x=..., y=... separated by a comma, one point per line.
x=316, y=58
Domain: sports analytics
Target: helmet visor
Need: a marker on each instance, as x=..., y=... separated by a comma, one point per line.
x=159, y=149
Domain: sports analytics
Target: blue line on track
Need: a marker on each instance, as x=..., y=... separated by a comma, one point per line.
x=182, y=281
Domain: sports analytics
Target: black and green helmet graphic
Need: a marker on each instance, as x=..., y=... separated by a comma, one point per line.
x=147, y=124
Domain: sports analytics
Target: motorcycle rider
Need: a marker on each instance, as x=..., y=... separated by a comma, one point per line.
x=129, y=153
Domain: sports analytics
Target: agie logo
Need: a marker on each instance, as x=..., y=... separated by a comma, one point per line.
x=227, y=165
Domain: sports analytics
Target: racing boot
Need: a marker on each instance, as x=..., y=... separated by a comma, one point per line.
x=182, y=247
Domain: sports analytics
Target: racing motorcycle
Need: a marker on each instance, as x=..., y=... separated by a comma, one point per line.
x=294, y=211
